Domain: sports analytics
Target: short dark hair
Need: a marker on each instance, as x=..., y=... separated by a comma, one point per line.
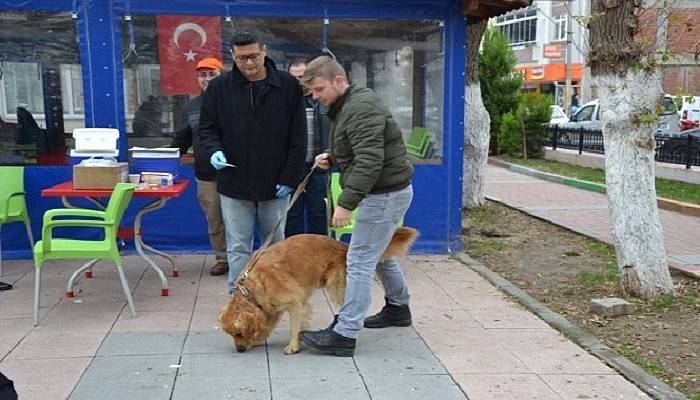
x=244, y=37
x=297, y=61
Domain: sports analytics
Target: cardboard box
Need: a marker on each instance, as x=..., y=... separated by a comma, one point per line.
x=99, y=176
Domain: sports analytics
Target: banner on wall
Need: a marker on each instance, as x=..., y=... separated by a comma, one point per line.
x=182, y=42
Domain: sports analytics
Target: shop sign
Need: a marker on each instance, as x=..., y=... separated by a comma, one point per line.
x=552, y=50
x=537, y=72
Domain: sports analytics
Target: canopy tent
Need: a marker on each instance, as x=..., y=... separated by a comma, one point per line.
x=417, y=43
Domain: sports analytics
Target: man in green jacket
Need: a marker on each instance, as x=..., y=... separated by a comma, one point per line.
x=367, y=147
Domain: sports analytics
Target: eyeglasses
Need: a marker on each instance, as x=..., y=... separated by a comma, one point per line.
x=244, y=58
x=207, y=74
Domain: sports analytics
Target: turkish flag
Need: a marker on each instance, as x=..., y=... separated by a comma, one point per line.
x=182, y=42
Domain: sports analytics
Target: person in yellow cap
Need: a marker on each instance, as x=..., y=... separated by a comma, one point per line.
x=188, y=135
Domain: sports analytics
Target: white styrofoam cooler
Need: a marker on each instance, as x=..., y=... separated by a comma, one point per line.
x=94, y=143
x=95, y=138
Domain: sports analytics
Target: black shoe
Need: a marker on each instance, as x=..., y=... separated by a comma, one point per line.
x=390, y=315
x=8, y=286
x=329, y=341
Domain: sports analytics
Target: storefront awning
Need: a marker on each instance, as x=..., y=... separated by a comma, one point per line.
x=549, y=72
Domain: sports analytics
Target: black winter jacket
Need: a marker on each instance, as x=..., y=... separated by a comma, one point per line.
x=265, y=137
x=188, y=135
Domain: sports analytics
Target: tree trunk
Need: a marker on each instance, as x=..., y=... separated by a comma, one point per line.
x=476, y=147
x=629, y=89
x=477, y=122
x=523, y=134
x=629, y=176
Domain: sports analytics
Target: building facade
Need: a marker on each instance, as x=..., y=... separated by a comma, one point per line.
x=537, y=35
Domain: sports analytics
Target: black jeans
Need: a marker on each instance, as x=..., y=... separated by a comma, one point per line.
x=7, y=388
x=308, y=214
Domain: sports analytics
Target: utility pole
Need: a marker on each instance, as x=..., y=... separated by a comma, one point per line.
x=569, y=33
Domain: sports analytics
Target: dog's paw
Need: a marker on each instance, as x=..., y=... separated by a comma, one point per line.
x=291, y=349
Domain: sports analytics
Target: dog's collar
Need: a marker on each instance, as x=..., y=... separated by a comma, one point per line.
x=247, y=294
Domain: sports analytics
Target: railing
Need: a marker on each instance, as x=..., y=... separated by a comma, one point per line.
x=680, y=149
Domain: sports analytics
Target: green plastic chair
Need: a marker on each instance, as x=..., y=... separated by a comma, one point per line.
x=418, y=143
x=13, y=205
x=50, y=248
x=335, y=194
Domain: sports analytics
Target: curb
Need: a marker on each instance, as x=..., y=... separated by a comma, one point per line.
x=666, y=204
x=644, y=381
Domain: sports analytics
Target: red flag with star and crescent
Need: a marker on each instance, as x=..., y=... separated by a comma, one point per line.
x=182, y=42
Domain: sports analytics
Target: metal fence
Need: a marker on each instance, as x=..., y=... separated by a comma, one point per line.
x=680, y=149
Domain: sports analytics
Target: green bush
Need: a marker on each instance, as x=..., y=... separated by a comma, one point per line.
x=500, y=87
x=526, y=125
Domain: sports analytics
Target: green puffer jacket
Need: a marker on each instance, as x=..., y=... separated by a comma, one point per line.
x=367, y=147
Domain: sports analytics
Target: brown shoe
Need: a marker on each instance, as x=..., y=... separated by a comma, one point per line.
x=220, y=268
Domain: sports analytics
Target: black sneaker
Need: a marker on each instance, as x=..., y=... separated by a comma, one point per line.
x=330, y=342
x=390, y=315
x=8, y=286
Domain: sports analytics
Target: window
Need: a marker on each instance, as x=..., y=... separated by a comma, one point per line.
x=72, y=84
x=560, y=27
x=519, y=27
x=585, y=114
x=22, y=87
x=402, y=60
x=41, y=88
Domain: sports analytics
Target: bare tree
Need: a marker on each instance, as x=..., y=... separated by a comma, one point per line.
x=628, y=78
x=477, y=121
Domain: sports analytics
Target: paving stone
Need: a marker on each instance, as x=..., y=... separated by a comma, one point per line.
x=505, y=386
x=223, y=376
x=418, y=387
x=141, y=343
x=217, y=342
x=127, y=377
x=611, y=307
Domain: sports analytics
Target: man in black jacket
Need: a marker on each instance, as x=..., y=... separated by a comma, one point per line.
x=308, y=213
x=188, y=135
x=253, y=126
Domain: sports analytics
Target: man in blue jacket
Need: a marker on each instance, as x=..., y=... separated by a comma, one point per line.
x=253, y=126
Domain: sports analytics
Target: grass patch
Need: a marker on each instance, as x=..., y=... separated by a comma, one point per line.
x=568, y=292
x=595, y=279
x=663, y=302
x=681, y=191
x=649, y=366
x=487, y=246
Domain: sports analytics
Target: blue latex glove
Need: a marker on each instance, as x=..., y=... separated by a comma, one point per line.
x=218, y=160
x=282, y=191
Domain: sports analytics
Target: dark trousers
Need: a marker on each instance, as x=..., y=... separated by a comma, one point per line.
x=308, y=214
x=7, y=388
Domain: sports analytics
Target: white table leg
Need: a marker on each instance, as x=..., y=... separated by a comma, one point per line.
x=140, y=245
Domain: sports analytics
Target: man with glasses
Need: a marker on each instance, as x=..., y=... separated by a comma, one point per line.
x=253, y=127
x=188, y=135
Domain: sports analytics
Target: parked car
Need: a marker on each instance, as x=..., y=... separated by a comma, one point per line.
x=587, y=117
x=669, y=120
x=690, y=109
x=558, y=115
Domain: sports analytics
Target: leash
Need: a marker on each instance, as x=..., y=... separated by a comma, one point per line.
x=300, y=189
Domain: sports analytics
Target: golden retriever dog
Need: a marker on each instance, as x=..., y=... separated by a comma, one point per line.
x=283, y=279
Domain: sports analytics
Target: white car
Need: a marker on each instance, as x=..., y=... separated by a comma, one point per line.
x=558, y=116
x=587, y=117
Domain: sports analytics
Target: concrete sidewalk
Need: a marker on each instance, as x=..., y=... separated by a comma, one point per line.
x=586, y=212
x=467, y=341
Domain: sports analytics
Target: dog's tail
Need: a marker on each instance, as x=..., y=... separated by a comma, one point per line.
x=402, y=240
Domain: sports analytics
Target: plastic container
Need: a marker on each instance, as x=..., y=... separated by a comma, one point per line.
x=166, y=160
x=76, y=156
x=95, y=138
